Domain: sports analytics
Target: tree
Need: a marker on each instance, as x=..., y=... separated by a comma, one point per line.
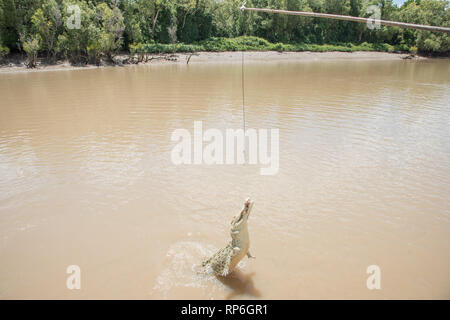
x=227, y=20
x=172, y=30
x=47, y=22
x=4, y=51
x=31, y=46
x=150, y=16
x=132, y=22
x=79, y=44
x=430, y=12
x=111, y=26
x=195, y=19
x=16, y=20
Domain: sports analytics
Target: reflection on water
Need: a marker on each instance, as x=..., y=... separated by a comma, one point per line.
x=364, y=178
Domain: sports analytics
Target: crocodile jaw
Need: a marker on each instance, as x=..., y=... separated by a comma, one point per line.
x=240, y=221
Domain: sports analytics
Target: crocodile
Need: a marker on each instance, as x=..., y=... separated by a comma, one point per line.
x=224, y=260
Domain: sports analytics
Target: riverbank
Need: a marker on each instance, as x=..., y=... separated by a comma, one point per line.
x=17, y=64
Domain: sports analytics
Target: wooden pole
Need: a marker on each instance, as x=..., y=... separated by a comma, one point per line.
x=350, y=18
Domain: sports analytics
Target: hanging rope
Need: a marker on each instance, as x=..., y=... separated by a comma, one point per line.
x=243, y=94
x=242, y=82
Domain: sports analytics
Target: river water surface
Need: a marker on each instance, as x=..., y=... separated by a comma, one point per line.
x=86, y=179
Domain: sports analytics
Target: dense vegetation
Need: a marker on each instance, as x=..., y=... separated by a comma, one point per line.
x=146, y=26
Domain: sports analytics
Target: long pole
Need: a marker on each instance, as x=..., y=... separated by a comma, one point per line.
x=350, y=18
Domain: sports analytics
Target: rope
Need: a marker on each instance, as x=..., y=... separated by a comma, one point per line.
x=243, y=94
x=243, y=87
x=351, y=18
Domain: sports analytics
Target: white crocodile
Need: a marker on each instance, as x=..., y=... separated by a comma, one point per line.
x=224, y=260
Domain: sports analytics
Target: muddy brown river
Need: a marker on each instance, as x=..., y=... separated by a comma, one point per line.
x=87, y=179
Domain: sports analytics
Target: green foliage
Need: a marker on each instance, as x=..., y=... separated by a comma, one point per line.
x=156, y=25
x=250, y=43
x=413, y=50
x=132, y=21
x=46, y=22
x=235, y=44
x=31, y=46
x=15, y=19
x=111, y=26
x=100, y=33
x=139, y=50
x=429, y=12
x=79, y=44
x=4, y=51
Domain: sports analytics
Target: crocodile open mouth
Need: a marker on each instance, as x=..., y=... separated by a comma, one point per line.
x=248, y=206
x=245, y=211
